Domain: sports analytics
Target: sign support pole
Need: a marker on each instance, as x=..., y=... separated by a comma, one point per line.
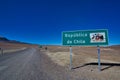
x=70, y=57
x=99, y=63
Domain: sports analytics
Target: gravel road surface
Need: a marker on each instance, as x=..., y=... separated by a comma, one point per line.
x=30, y=64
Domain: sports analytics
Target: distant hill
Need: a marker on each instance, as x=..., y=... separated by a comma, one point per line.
x=4, y=39
x=115, y=47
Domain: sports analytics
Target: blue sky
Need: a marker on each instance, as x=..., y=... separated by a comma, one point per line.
x=42, y=21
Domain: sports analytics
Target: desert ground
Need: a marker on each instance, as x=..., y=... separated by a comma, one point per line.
x=13, y=47
x=85, y=61
x=31, y=62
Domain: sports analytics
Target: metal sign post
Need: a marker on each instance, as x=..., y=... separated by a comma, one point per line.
x=99, y=63
x=70, y=58
x=1, y=51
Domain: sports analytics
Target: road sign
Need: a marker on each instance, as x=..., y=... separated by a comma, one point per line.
x=85, y=37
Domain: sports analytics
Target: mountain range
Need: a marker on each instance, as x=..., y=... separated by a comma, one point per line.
x=4, y=39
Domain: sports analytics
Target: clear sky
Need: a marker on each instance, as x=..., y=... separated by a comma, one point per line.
x=42, y=21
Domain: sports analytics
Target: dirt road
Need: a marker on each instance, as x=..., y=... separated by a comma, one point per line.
x=30, y=64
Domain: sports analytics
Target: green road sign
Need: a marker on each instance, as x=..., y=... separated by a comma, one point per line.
x=85, y=37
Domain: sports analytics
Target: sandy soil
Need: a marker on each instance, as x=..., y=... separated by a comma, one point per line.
x=85, y=62
x=13, y=47
x=85, y=66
